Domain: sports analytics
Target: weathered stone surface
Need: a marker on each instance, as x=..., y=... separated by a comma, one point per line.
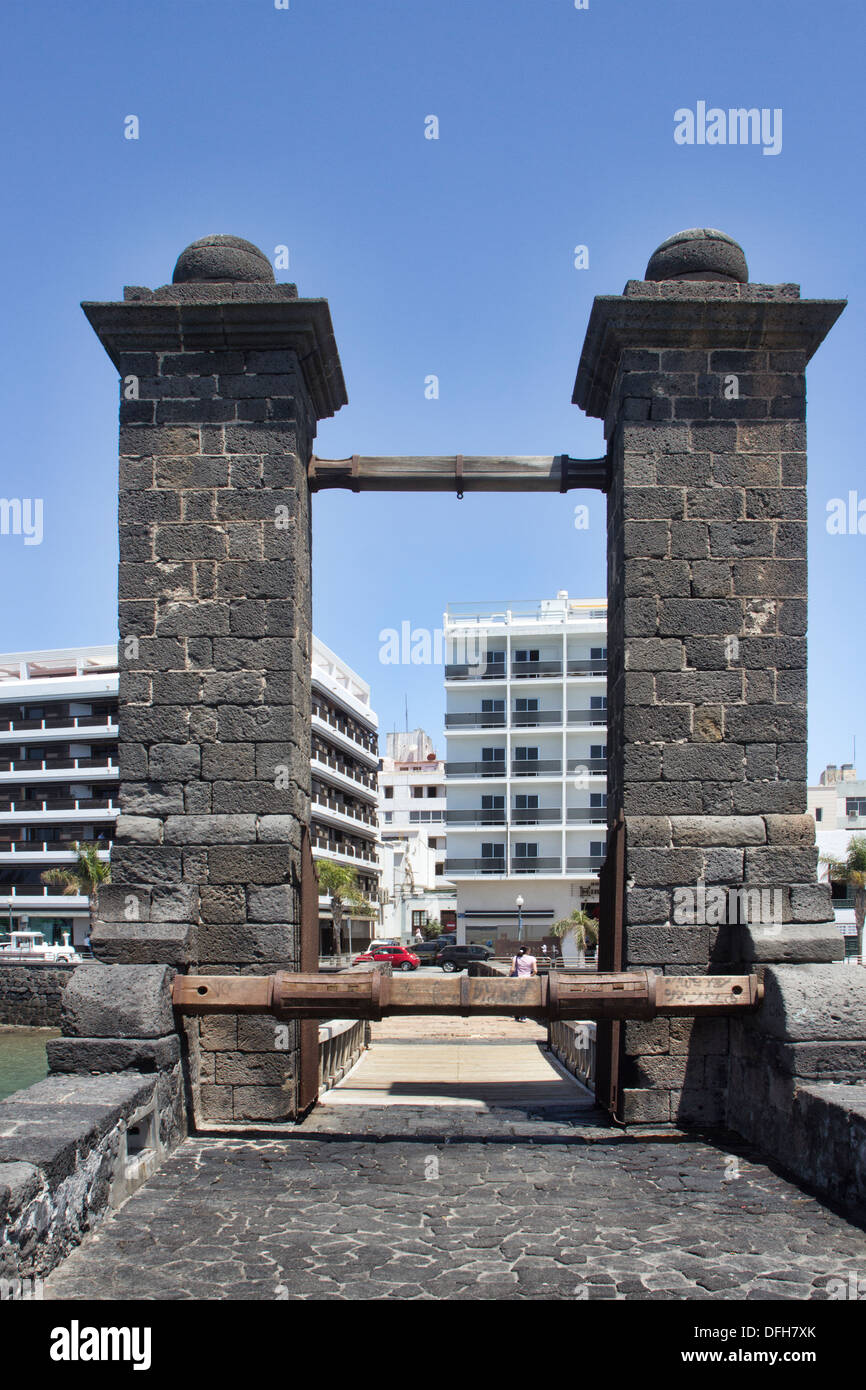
x=791, y=942
x=92, y=1055
x=813, y=1003
x=717, y=830
x=119, y=1001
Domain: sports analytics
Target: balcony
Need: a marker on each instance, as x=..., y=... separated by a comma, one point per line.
x=363, y=779
x=476, y=816
x=31, y=765
x=57, y=723
x=482, y=769
x=88, y=806
x=345, y=851
x=483, y=670
x=588, y=668
x=359, y=744
x=535, y=767
x=588, y=716
x=474, y=866
x=475, y=720
x=534, y=718
x=535, y=864
x=537, y=815
x=587, y=815
x=592, y=766
x=51, y=849
x=584, y=863
x=521, y=669
x=343, y=810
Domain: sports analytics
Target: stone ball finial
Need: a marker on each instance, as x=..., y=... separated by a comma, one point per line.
x=222, y=258
x=700, y=253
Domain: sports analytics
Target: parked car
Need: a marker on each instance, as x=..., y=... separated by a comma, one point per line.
x=428, y=951
x=461, y=957
x=400, y=958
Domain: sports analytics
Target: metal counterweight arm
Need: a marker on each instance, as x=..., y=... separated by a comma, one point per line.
x=640, y=994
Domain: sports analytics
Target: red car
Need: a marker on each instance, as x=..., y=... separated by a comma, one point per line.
x=400, y=958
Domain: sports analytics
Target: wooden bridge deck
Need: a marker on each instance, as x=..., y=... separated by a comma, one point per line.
x=482, y=1064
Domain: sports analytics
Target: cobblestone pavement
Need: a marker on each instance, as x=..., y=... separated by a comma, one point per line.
x=579, y=1212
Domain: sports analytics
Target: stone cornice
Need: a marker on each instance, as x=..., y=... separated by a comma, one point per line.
x=263, y=320
x=694, y=315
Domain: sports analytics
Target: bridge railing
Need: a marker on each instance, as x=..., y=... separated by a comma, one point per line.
x=341, y=1042
x=575, y=1046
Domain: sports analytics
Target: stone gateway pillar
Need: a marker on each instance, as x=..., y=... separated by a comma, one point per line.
x=224, y=376
x=699, y=377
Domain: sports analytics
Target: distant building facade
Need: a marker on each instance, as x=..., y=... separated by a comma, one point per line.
x=58, y=779
x=838, y=804
x=412, y=817
x=526, y=767
x=344, y=822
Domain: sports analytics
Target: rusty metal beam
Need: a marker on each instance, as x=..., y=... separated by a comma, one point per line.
x=558, y=995
x=458, y=473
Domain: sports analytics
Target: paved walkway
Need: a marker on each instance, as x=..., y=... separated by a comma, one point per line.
x=485, y=1196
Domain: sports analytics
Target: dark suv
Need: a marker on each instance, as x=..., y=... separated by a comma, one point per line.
x=428, y=951
x=461, y=957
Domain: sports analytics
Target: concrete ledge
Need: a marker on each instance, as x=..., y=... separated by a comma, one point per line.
x=73, y=1147
x=794, y=943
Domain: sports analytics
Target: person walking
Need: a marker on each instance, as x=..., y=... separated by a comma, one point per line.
x=523, y=965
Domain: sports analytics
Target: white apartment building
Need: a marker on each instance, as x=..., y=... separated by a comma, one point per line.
x=838, y=804
x=58, y=779
x=526, y=766
x=345, y=764
x=412, y=820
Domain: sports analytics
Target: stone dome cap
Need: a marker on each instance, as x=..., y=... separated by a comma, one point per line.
x=699, y=253
x=223, y=258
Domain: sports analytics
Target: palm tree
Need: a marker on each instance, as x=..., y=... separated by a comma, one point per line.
x=581, y=926
x=852, y=870
x=83, y=878
x=340, y=882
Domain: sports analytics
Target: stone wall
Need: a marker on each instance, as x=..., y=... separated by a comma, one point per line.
x=30, y=995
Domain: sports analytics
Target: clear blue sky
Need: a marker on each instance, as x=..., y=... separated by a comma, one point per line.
x=453, y=257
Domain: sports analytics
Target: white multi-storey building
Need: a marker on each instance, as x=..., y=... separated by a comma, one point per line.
x=58, y=779
x=526, y=768
x=838, y=804
x=412, y=818
x=345, y=764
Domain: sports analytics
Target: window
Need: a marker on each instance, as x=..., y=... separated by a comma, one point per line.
x=598, y=798
x=525, y=802
x=491, y=850
x=492, y=803
x=419, y=919
x=598, y=750
x=526, y=706
x=440, y=869
x=389, y=816
x=389, y=793
x=819, y=812
x=855, y=805
x=527, y=654
x=598, y=653
x=493, y=755
x=527, y=754
x=417, y=793
x=492, y=706
x=432, y=791
x=496, y=658
x=598, y=702
x=596, y=849
x=526, y=849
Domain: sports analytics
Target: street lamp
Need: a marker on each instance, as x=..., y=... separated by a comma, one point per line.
x=519, y=901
